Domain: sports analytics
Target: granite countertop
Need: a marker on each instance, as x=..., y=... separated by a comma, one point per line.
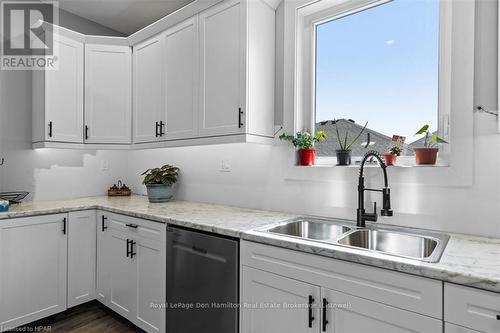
x=467, y=260
x=224, y=220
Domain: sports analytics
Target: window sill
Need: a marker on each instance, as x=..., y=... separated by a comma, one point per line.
x=401, y=162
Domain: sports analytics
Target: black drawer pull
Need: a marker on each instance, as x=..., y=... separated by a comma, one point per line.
x=162, y=126
x=128, y=245
x=240, y=113
x=130, y=225
x=325, y=322
x=50, y=129
x=156, y=130
x=64, y=226
x=311, y=318
x=86, y=132
x=498, y=317
x=103, y=224
x=132, y=253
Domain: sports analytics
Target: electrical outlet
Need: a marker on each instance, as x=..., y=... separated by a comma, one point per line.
x=224, y=166
x=105, y=165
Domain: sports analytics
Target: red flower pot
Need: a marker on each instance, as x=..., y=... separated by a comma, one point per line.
x=306, y=157
x=426, y=155
x=390, y=159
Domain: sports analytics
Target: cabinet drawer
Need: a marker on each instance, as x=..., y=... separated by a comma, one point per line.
x=472, y=308
x=135, y=226
x=408, y=292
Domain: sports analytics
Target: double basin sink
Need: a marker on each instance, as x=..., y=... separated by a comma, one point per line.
x=396, y=241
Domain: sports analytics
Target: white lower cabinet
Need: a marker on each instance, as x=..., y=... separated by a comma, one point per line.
x=131, y=269
x=276, y=304
x=311, y=293
x=342, y=313
x=472, y=308
x=81, y=257
x=33, y=268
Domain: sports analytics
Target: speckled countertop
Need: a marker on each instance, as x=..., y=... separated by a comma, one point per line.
x=467, y=260
x=224, y=220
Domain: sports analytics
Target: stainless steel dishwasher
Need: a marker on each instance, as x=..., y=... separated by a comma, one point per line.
x=202, y=282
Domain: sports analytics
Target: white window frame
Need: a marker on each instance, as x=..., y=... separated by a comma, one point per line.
x=456, y=86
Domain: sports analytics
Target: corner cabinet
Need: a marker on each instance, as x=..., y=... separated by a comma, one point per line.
x=108, y=94
x=58, y=96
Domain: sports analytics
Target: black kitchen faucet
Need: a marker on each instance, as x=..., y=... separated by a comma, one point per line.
x=386, y=210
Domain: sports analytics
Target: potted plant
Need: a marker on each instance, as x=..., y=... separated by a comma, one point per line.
x=428, y=154
x=304, y=142
x=344, y=153
x=160, y=182
x=391, y=155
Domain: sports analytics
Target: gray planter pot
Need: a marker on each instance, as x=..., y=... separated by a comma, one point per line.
x=160, y=192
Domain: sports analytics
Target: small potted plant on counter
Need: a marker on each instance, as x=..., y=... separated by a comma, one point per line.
x=428, y=154
x=391, y=156
x=304, y=142
x=344, y=153
x=160, y=182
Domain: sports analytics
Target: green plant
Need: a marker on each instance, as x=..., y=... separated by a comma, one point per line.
x=304, y=140
x=395, y=151
x=431, y=140
x=166, y=175
x=343, y=143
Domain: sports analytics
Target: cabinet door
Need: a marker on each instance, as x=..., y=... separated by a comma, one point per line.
x=81, y=257
x=181, y=77
x=276, y=304
x=103, y=253
x=33, y=269
x=346, y=313
x=151, y=284
x=222, y=65
x=108, y=79
x=64, y=94
x=149, y=91
x=122, y=274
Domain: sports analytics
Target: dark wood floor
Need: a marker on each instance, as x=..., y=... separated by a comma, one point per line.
x=91, y=317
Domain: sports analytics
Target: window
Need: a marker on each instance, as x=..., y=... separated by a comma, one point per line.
x=378, y=65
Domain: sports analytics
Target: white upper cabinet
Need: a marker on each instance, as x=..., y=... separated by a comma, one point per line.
x=181, y=76
x=222, y=38
x=58, y=96
x=149, y=87
x=108, y=92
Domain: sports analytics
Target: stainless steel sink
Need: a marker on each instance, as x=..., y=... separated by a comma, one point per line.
x=319, y=230
x=403, y=244
x=409, y=243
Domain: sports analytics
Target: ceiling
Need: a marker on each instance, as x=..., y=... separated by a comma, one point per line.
x=125, y=16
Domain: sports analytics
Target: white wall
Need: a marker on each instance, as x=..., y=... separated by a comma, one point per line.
x=257, y=178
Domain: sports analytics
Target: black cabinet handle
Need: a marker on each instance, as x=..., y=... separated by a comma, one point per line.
x=64, y=226
x=162, y=126
x=156, y=129
x=311, y=318
x=103, y=224
x=240, y=113
x=132, y=253
x=325, y=322
x=128, y=245
x=498, y=317
x=130, y=225
x=86, y=132
x=50, y=129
